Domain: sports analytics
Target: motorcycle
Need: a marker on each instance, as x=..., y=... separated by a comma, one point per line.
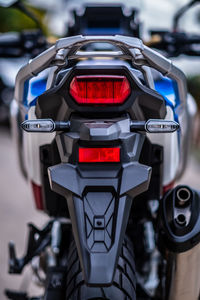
x=15, y=50
x=102, y=142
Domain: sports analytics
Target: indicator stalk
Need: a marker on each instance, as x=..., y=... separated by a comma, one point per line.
x=155, y=126
x=45, y=125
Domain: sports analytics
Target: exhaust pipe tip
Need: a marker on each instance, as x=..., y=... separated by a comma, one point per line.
x=179, y=228
x=181, y=220
x=183, y=196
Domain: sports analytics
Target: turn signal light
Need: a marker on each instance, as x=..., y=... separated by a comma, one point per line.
x=100, y=89
x=92, y=155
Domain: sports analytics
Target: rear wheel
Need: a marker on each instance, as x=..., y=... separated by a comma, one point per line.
x=124, y=284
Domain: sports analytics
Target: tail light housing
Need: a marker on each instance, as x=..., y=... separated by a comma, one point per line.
x=99, y=155
x=100, y=89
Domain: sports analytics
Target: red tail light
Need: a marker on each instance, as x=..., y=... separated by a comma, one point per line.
x=91, y=155
x=100, y=89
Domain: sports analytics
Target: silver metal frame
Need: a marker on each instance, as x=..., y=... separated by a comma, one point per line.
x=131, y=48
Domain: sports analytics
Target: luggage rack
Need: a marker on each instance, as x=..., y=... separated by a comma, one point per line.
x=130, y=48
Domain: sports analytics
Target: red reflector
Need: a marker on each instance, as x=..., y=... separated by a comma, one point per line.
x=91, y=155
x=168, y=187
x=37, y=192
x=100, y=89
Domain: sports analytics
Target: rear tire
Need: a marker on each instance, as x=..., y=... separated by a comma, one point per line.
x=124, y=284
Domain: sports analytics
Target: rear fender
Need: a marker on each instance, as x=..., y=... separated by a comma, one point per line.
x=99, y=200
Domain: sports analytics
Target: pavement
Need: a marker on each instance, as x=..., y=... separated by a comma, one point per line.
x=17, y=207
x=16, y=210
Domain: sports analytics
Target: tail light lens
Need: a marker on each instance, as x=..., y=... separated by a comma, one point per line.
x=100, y=89
x=92, y=155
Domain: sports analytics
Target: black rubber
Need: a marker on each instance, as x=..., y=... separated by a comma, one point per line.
x=124, y=284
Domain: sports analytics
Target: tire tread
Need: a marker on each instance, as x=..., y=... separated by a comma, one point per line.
x=124, y=283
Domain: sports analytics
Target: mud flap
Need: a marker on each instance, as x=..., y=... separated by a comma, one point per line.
x=99, y=201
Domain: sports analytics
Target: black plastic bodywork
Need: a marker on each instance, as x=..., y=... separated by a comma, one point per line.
x=99, y=196
x=152, y=155
x=54, y=204
x=142, y=104
x=99, y=202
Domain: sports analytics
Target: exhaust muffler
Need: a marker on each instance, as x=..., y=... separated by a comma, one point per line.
x=179, y=235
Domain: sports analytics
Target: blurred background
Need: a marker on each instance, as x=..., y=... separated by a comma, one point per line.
x=16, y=204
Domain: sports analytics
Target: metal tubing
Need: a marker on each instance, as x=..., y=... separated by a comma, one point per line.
x=126, y=45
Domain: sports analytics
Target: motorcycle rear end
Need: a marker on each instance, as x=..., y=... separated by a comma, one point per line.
x=95, y=148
